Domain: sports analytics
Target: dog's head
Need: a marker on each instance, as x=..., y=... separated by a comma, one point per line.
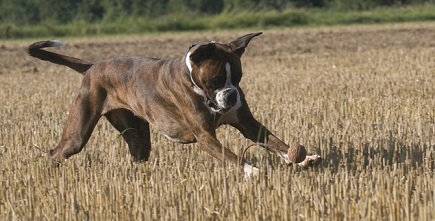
x=216, y=70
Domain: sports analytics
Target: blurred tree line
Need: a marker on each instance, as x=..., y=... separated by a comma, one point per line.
x=33, y=12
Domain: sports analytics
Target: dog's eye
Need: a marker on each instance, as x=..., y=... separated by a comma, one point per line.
x=218, y=80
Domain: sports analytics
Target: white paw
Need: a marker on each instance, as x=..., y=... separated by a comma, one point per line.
x=249, y=170
x=310, y=161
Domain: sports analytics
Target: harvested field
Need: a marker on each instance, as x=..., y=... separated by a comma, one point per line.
x=362, y=97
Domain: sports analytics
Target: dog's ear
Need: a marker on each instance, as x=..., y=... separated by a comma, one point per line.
x=239, y=45
x=202, y=52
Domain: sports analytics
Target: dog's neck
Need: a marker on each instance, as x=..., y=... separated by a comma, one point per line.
x=196, y=88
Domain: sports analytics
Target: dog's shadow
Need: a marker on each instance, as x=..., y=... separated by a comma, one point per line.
x=388, y=152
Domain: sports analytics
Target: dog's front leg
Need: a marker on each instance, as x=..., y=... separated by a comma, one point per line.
x=257, y=132
x=211, y=145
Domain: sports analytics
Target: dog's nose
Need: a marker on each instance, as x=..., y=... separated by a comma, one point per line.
x=231, y=97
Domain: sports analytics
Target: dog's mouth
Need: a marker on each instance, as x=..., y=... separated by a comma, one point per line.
x=216, y=108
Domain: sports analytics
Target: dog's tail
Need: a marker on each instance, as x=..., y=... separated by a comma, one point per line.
x=36, y=51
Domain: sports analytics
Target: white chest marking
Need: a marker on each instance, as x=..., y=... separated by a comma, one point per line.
x=171, y=138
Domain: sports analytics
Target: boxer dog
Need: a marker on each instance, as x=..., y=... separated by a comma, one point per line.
x=185, y=98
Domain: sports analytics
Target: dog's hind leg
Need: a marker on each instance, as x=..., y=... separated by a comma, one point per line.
x=135, y=131
x=84, y=114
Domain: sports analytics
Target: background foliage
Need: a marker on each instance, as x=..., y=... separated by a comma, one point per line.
x=35, y=18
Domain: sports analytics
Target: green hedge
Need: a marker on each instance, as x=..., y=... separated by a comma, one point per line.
x=227, y=20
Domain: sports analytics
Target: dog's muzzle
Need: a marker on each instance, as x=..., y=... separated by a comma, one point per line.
x=224, y=100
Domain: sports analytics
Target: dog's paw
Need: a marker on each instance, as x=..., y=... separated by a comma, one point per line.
x=250, y=171
x=310, y=161
x=53, y=162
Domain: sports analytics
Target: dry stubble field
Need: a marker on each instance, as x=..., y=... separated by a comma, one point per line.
x=362, y=97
